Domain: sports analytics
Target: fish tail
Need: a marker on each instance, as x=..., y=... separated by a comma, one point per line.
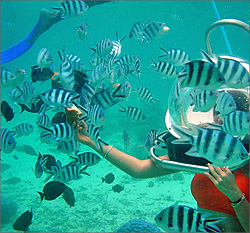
x=103, y=179
x=41, y=196
x=123, y=109
x=210, y=224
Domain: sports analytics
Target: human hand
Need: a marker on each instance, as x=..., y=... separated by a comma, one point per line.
x=224, y=180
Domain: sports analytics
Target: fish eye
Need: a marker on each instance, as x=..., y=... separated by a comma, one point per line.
x=160, y=218
x=230, y=105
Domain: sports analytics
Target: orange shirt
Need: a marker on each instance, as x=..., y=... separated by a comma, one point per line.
x=208, y=196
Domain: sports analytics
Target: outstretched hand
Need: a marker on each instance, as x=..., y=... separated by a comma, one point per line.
x=224, y=180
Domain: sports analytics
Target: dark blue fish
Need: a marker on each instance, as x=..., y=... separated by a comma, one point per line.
x=7, y=111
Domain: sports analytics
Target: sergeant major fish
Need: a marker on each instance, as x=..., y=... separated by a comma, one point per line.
x=8, y=142
x=86, y=158
x=103, y=48
x=217, y=146
x=82, y=31
x=133, y=113
x=7, y=78
x=225, y=103
x=179, y=218
x=44, y=58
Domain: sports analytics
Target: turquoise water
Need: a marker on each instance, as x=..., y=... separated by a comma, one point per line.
x=97, y=207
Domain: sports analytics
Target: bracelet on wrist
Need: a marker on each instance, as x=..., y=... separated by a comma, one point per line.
x=108, y=151
x=238, y=202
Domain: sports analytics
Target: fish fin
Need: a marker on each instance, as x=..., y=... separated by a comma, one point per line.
x=210, y=224
x=185, y=135
x=47, y=129
x=206, y=57
x=103, y=179
x=193, y=152
x=214, y=126
x=41, y=196
x=123, y=109
x=55, y=73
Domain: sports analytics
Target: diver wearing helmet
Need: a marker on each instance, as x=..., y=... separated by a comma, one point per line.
x=219, y=191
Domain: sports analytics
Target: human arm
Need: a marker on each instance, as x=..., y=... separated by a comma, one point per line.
x=224, y=180
x=131, y=165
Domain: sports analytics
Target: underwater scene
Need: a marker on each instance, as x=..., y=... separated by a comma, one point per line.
x=135, y=72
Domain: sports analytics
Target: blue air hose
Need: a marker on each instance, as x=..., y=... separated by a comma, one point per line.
x=222, y=28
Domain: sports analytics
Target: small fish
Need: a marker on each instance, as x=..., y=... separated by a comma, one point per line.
x=8, y=142
x=123, y=90
x=117, y=188
x=7, y=111
x=7, y=78
x=133, y=113
x=177, y=56
x=217, y=146
x=68, y=147
x=35, y=105
x=40, y=162
x=23, y=129
x=109, y=178
x=136, y=32
x=23, y=222
x=45, y=137
x=94, y=134
x=67, y=77
x=137, y=65
x=179, y=218
x=235, y=123
x=233, y=71
x=153, y=31
x=58, y=97
x=151, y=140
x=71, y=8
x=204, y=100
x=82, y=31
x=50, y=161
x=166, y=69
x=86, y=158
x=200, y=74
x=116, y=49
x=38, y=74
x=15, y=157
x=43, y=120
x=96, y=61
x=20, y=75
x=126, y=139
x=69, y=197
x=103, y=48
x=12, y=180
x=44, y=58
x=52, y=190
x=70, y=172
x=61, y=131
x=144, y=94
x=225, y=103
x=126, y=59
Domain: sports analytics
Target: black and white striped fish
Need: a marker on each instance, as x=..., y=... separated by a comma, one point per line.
x=137, y=65
x=86, y=158
x=8, y=142
x=45, y=137
x=44, y=58
x=123, y=90
x=117, y=47
x=71, y=172
x=203, y=100
x=23, y=129
x=217, y=146
x=94, y=134
x=58, y=97
x=133, y=113
x=179, y=218
x=95, y=115
x=235, y=74
x=136, y=32
x=144, y=94
x=7, y=78
x=122, y=71
x=235, y=123
x=39, y=166
x=43, y=120
x=126, y=59
x=153, y=31
x=22, y=95
x=106, y=98
x=166, y=69
x=225, y=103
x=68, y=147
x=96, y=61
x=200, y=74
x=98, y=74
x=67, y=78
x=103, y=48
x=71, y=8
x=151, y=140
x=177, y=56
x=61, y=131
